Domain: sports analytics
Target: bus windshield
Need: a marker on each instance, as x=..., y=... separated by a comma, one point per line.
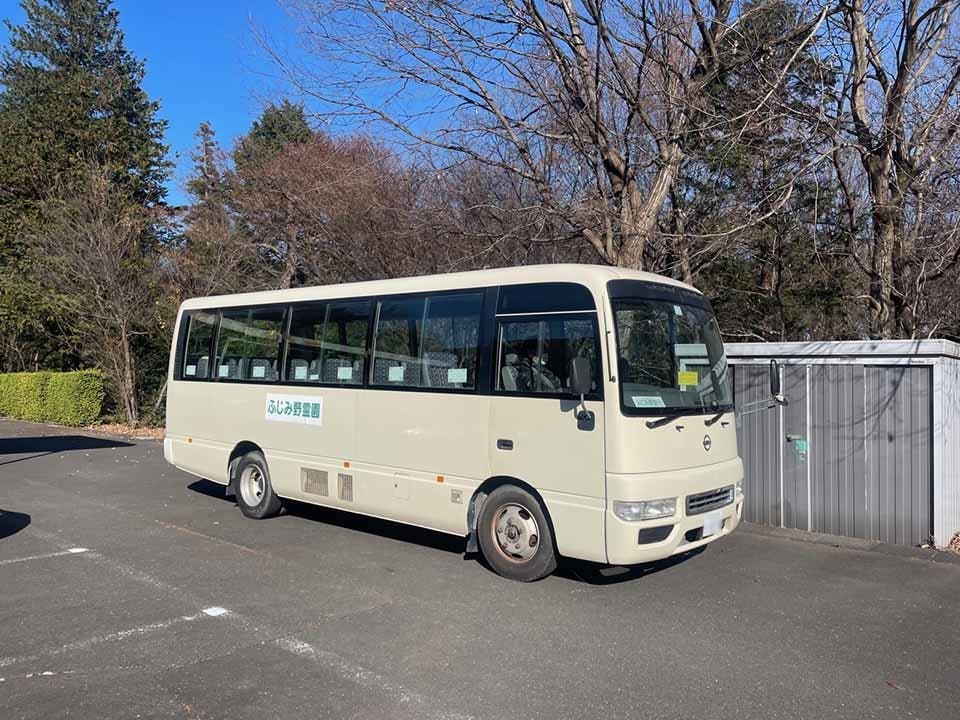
x=671, y=357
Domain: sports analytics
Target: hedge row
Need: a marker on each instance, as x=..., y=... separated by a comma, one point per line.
x=65, y=398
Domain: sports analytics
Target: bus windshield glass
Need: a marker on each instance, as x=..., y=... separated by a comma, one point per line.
x=671, y=357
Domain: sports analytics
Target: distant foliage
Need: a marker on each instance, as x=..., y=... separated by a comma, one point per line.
x=69, y=398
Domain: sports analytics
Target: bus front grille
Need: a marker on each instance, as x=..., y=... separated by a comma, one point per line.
x=709, y=500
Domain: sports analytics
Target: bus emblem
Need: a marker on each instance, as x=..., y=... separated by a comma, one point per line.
x=707, y=443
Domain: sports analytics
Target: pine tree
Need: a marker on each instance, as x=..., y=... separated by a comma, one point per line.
x=211, y=257
x=70, y=100
x=278, y=127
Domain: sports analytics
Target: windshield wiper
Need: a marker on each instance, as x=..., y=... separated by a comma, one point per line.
x=659, y=422
x=716, y=417
x=724, y=409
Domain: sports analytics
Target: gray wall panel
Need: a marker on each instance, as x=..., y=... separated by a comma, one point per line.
x=757, y=437
x=837, y=449
x=947, y=450
x=795, y=458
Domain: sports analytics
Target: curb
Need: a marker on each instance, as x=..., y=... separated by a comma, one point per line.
x=929, y=554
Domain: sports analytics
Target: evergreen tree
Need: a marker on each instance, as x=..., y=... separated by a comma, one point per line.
x=70, y=100
x=211, y=257
x=279, y=126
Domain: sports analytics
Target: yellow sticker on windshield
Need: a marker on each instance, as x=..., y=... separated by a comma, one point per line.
x=687, y=377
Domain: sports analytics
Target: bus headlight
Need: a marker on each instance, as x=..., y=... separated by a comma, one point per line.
x=645, y=510
x=739, y=489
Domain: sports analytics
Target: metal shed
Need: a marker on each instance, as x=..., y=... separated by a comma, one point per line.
x=868, y=446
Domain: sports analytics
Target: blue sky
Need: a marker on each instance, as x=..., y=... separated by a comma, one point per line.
x=202, y=64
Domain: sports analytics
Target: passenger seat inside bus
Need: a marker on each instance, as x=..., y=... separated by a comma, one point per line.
x=509, y=372
x=436, y=367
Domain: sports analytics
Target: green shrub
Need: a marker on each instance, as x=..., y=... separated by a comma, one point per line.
x=24, y=395
x=70, y=398
x=74, y=398
x=6, y=394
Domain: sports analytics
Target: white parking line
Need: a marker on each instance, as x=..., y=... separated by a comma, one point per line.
x=366, y=678
x=327, y=659
x=114, y=636
x=69, y=551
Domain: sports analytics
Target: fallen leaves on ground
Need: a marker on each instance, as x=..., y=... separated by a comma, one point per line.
x=130, y=431
x=954, y=545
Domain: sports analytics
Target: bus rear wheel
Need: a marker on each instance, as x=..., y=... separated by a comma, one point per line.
x=255, y=496
x=514, y=535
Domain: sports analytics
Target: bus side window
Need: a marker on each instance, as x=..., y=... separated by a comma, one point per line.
x=249, y=343
x=303, y=342
x=196, y=354
x=343, y=346
x=396, y=353
x=428, y=342
x=451, y=333
x=535, y=354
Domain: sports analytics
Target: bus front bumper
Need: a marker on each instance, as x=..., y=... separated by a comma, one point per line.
x=636, y=542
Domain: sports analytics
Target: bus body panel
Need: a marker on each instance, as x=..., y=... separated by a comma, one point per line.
x=419, y=447
x=564, y=463
x=677, y=446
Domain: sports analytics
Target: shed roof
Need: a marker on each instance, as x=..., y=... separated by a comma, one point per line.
x=845, y=348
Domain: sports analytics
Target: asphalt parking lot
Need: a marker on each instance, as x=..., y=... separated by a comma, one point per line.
x=129, y=589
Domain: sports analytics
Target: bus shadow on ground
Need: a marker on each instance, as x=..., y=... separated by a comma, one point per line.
x=597, y=574
x=568, y=569
x=12, y=522
x=352, y=521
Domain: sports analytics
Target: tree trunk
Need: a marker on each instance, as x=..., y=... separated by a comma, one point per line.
x=128, y=384
x=882, y=286
x=639, y=212
x=680, y=242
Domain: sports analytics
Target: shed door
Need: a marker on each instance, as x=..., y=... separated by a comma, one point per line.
x=850, y=455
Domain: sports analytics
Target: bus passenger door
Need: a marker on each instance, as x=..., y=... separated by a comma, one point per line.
x=541, y=434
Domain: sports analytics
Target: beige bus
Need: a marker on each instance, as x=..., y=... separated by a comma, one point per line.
x=541, y=412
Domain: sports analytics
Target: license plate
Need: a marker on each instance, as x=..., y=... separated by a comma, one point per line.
x=712, y=522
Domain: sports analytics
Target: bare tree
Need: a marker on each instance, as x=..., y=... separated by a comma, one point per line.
x=95, y=239
x=330, y=210
x=896, y=155
x=588, y=102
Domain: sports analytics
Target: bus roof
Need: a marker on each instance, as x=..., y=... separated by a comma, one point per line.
x=594, y=277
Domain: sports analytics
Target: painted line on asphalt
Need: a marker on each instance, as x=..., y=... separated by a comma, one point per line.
x=348, y=671
x=115, y=636
x=61, y=553
x=366, y=678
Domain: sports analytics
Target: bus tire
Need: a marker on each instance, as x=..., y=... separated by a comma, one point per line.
x=515, y=536
x=255, y=496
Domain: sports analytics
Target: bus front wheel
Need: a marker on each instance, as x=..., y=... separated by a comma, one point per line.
x=255, y=495
x=515, y=536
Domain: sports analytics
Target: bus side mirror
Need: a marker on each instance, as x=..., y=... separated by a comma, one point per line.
x=775, y=383
x=581, y=376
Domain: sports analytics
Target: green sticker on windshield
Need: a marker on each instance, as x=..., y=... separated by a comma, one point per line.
x=677, y=310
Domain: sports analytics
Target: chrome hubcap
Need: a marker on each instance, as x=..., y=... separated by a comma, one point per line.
x=252, y=485
x=516, y=532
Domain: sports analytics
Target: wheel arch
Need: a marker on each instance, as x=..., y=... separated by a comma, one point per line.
x=479, y=497
x=239, y=450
